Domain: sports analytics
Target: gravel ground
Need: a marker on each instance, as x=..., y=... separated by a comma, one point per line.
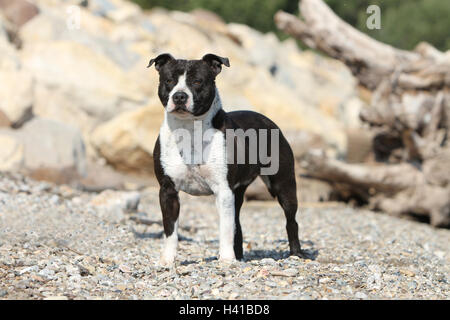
x=57, y=242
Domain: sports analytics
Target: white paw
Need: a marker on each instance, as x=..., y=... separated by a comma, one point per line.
x=166, y=262
x=227, y=257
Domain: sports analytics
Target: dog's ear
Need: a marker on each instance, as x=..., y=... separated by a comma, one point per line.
x=215, y=62
x=160, y=60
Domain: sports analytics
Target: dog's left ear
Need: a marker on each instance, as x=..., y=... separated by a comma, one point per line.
x=160, y=60
x=215, y=62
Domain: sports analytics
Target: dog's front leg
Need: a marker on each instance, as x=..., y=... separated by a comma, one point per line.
x=225, y=206
x=170, y=207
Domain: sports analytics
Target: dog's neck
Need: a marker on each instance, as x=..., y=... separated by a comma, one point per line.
x=172, y=122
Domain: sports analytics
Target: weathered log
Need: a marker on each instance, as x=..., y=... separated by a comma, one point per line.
x=409, y=117
x=321, y=29
x=399, y=189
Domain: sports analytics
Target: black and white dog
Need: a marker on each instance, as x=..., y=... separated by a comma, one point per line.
x=193, y=108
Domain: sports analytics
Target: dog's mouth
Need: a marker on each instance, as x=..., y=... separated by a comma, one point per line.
x=181, y=109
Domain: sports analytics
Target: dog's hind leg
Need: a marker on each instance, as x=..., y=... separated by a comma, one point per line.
x=283, y=186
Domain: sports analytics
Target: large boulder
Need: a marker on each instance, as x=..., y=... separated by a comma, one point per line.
x=99, y=86
x=97, y=33
x=83, y=75
x=51, y=150
x=11, y=153
x=3, y=32
x=127, y=141
x=16, y=95
x=16, y=89
x=18, y=12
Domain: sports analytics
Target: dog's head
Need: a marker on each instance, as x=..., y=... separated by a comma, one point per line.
x=187, y=87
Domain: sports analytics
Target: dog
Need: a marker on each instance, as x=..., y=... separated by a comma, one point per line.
x=188, y=92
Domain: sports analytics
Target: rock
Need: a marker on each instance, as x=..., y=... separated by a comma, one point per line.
x=9, y=57
x=127, y=141
x=123, y=12
x=285, y=273
x=29, y=269
x=412, y=285
x=360, y=295
x=16, y=100
x=127, y=201
x=3, y=32
x=117, y=10
x=92, y=82
x=324, y=280
x=52, y=151
x=407, y=272
x=86, y=270
x=267, y=261
x=4, y=121
x=112, y=205
x=11, y=153
x=18, y=12
x=99, y=34
x=262, y=49
x=124, y=268
x=56, y=298
x=47, y=273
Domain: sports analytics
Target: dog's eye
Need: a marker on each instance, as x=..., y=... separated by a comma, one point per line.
x=169, y=81
x=198, y=82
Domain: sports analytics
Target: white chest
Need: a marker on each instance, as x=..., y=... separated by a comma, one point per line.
x=193, y=156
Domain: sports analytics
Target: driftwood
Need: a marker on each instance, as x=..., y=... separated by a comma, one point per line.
x=409, y=117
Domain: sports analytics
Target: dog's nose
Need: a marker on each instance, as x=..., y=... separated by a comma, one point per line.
x=180, y=98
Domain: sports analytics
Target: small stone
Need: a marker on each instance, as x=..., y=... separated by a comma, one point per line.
x=124, y=268
x=54, y=199
x=412, y=285
x=341, y=283
x=29, y=269
x=271, y=284
x=3, y=293
x=262, y=273
x=408, y=273
x=86, y=270
x=121, y=287
x=360, y=295
x=48, y=273
x=267, y=261
x=215, y=292
x=56, y=298
x=233, y=296
x=324, y=280
x=247, y=269
x=37, y=278
x=140, y=285
x=284, y=273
